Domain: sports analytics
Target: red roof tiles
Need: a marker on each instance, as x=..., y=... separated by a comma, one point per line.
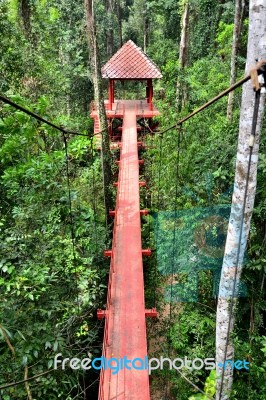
x=130, y=62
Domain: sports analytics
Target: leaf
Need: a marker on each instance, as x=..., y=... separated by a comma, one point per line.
x=24, y=360
x=21, y=335
x=48, y=345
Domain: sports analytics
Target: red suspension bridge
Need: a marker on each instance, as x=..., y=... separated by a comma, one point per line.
x=125, y=313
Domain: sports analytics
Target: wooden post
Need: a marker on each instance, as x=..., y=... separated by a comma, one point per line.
x=111, y=93
x=150, y=91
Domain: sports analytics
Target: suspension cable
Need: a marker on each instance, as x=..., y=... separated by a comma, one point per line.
x=45, y=121
x=172, y=272
x=8, y=385
x=94, y=198
x=173, y=253
x=149, y=193
x=175, y=217
x=38, y=117
x=260, y=69
x=231, y=308
x=72, y=231
x=209, y=103
x=253, y=75
x=158, y=209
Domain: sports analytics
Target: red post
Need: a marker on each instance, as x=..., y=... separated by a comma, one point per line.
x=152, y=313
x=111, y=90
x=101, y=314
x=108, y=253
x=150, y=91
x=146, y=252
x=110, y=94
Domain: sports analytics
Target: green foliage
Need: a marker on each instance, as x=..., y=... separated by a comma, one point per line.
x=188, y=336
x=206, y=15
x=209, y=388
x=49, y=292
x=49, y=295
x=224, y=39
x=56, y=49
x=205, y=179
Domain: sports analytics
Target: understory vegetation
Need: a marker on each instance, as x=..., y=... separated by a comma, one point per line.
x=53, y=275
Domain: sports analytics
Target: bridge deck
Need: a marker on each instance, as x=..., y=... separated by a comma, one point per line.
x=142, y=109
x=125, y=326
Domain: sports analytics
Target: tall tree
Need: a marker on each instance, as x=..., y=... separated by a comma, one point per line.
x=183, y=49
x=99, y=102
x=184, y=36
x=110, y=31
x=25, y=10
x=239, y=223
x=120, y=21
x=239, y=11
x=138, y=24
x=146, y=27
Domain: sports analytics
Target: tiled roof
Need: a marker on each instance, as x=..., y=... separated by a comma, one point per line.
x=130, y=62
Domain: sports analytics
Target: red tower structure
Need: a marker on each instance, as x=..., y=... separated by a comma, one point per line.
x=130, y=63
x=125, y=313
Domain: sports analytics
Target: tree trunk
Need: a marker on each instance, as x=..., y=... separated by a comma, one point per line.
x=184, y=36
x=99, y=102
x=27, y=386
x=183, y=49
x=233, y=257
x=146, y=29
x=110, y=31
x=239, y=8
x=119, y=18
x=25, y=10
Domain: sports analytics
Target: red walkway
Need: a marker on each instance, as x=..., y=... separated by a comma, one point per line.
x=125, y=327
